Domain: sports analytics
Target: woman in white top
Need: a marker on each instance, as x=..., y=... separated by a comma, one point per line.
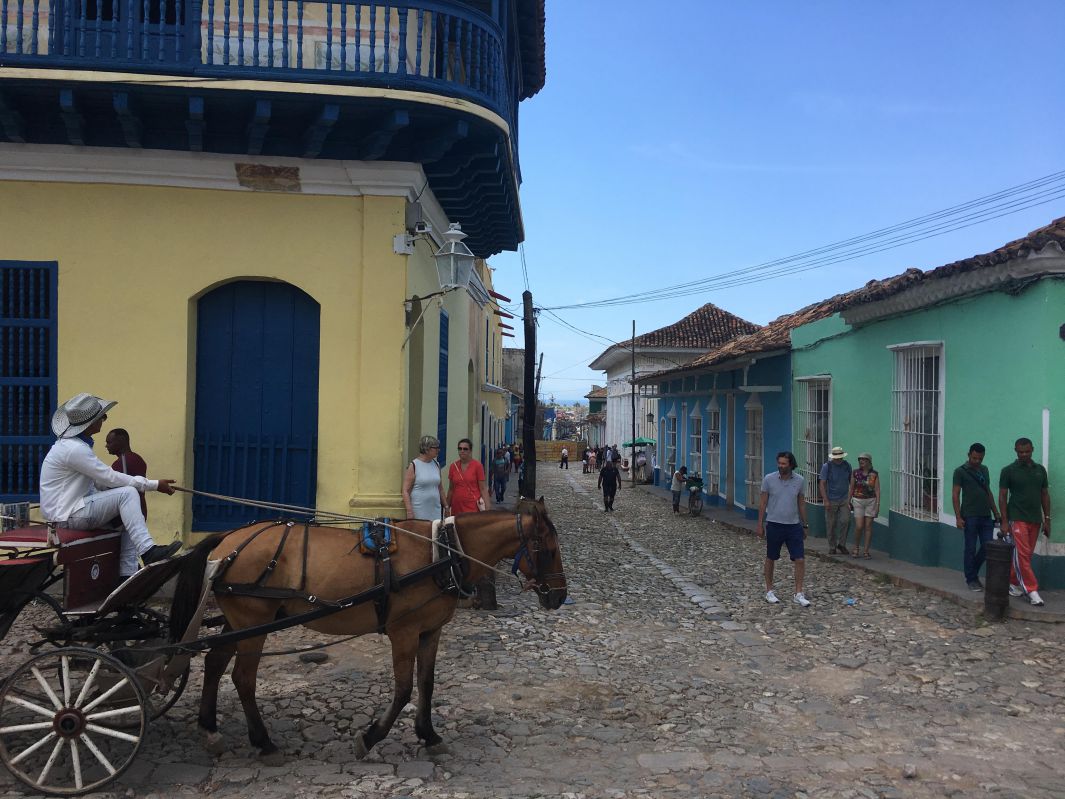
x=423, y=492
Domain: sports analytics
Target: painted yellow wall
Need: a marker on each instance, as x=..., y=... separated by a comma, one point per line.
x=134, y=259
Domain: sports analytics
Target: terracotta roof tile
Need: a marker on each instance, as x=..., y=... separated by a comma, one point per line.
x=777, y=334
x=598, y=392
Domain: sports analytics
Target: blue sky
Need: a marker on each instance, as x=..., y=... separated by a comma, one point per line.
x=676, y=141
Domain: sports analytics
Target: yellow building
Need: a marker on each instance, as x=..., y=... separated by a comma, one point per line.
x=264, y=318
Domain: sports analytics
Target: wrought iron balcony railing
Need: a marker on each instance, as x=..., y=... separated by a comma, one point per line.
x=438, y=47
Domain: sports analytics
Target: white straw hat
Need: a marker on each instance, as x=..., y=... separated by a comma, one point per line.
x=78, y=414
x=837, y=454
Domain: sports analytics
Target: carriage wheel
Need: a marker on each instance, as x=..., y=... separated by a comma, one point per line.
x=159, y=704
x=59, y=723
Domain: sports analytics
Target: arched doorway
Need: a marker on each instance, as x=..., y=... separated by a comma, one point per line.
x=256, y=429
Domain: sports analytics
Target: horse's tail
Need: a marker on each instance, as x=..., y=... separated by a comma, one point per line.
x=189, y=587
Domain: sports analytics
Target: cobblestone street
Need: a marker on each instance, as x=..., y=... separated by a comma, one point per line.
x=668, y=676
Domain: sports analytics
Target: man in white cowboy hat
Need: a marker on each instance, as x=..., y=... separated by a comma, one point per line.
x=80, y=492
x=835, y=482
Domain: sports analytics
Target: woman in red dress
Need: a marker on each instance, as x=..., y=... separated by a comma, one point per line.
x=467, y=482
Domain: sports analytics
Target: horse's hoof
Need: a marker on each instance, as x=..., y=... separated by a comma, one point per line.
x=275, y=758
x=437, y=749
x=214, y=744
x=361, y=749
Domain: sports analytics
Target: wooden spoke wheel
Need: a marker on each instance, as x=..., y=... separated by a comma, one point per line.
x=71, y=721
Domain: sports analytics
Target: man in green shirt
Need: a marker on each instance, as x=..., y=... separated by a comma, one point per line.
x=975, y=511
x=1024, y=498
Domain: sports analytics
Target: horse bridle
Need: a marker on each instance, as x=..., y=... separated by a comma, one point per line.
x=533, y=550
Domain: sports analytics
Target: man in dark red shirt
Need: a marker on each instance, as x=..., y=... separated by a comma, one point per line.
x=129, y=462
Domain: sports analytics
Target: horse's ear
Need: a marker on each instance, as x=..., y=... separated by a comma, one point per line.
x=541, y=499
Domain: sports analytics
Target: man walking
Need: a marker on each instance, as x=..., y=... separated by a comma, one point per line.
x=975, y=511
x=782, y=522
x=835, y=482
x=564, y=463
x=609, y=481
x=1024, y=500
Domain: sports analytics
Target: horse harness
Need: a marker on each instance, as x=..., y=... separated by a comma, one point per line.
x=448, y=568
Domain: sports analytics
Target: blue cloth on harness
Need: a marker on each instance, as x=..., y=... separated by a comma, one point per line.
x=369, y=543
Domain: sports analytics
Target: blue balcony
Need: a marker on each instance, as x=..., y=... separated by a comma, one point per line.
x=333, y=80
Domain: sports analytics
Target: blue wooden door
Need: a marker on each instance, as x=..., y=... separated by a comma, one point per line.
x=256, y=431
x=27, y=374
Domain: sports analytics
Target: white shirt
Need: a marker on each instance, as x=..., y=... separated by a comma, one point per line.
x=71, y=472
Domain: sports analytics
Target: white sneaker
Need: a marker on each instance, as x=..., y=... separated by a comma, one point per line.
x=1015, y=590
x=800, y=599
x=1035, y=599
x=771, y=597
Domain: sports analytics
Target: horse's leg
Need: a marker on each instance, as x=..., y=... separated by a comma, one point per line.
x=404, y=646
x=249, y=653
x=214, y=666
x=423, y=721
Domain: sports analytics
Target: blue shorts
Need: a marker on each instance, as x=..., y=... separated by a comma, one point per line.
x=789, y=535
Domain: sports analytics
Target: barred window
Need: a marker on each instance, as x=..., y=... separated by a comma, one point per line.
x=671, y=444
x=753, y=454
x=695, y=447
x=713, y=449
x=813, y=429
x=916, y=431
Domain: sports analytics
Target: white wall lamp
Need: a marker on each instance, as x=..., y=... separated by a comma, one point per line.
x=454, y=266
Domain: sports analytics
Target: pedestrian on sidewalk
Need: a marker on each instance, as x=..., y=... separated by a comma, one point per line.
x=680, y=477
x=609, y=481
x=835, y=481
x=782, y=522
x=975, y=512
x=865, y=499
x=1024, y=501
x=423, y=490
x=500, y=474
x=564, y=463
x=467, y=490
x=584, y=461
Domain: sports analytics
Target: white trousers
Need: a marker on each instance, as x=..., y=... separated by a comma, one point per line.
x=102, y=507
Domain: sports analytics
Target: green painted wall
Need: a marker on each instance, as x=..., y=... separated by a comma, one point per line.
x=1004, y=363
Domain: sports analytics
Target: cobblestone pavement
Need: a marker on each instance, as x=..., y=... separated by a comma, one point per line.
x=669, y=676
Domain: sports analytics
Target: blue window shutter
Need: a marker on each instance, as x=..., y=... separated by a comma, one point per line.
x=441, y=402
x=28, y=356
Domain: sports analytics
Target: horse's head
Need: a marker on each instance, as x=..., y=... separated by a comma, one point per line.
x=539, y=556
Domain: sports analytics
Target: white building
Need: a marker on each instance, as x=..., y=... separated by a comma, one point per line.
x=665, y=348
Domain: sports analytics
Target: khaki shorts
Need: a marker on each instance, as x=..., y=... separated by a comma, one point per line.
x=864, y=507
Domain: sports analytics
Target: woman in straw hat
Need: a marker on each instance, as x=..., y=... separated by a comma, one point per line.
x=80, y=492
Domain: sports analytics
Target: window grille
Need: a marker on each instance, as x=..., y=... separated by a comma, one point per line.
x=916, y=432
x=28, y=351
x=671, y=444
x=753, y=453
x=695, y=447
x=713, y=451
x=814, y=429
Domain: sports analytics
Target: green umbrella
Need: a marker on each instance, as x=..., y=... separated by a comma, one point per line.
x=639, y=442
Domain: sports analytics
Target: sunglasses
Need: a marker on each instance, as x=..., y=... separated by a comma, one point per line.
x=464, y=449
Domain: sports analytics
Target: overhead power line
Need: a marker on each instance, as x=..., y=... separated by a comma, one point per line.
x=984, y=209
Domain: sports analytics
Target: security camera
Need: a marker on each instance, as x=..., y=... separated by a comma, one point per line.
x=422, y=228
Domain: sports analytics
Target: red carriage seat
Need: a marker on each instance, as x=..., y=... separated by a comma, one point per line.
x=89, y=558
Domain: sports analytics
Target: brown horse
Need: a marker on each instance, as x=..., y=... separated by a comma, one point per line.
x=327, y=564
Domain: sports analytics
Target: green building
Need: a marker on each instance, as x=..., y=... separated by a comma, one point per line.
x=915, y=368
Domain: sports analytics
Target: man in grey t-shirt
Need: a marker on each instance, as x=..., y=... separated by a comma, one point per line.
x=782, y=522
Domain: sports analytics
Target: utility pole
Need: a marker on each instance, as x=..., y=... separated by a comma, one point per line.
x=528, y=431
x=632, y=460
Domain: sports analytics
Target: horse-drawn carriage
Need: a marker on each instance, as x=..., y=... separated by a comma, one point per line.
x=110, y=655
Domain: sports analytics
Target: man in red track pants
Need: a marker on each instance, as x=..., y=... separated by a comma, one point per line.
x=1024, y=501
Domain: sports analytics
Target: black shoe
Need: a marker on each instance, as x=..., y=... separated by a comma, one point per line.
x=975, y=585
x=842, y=550
x=160, y=552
